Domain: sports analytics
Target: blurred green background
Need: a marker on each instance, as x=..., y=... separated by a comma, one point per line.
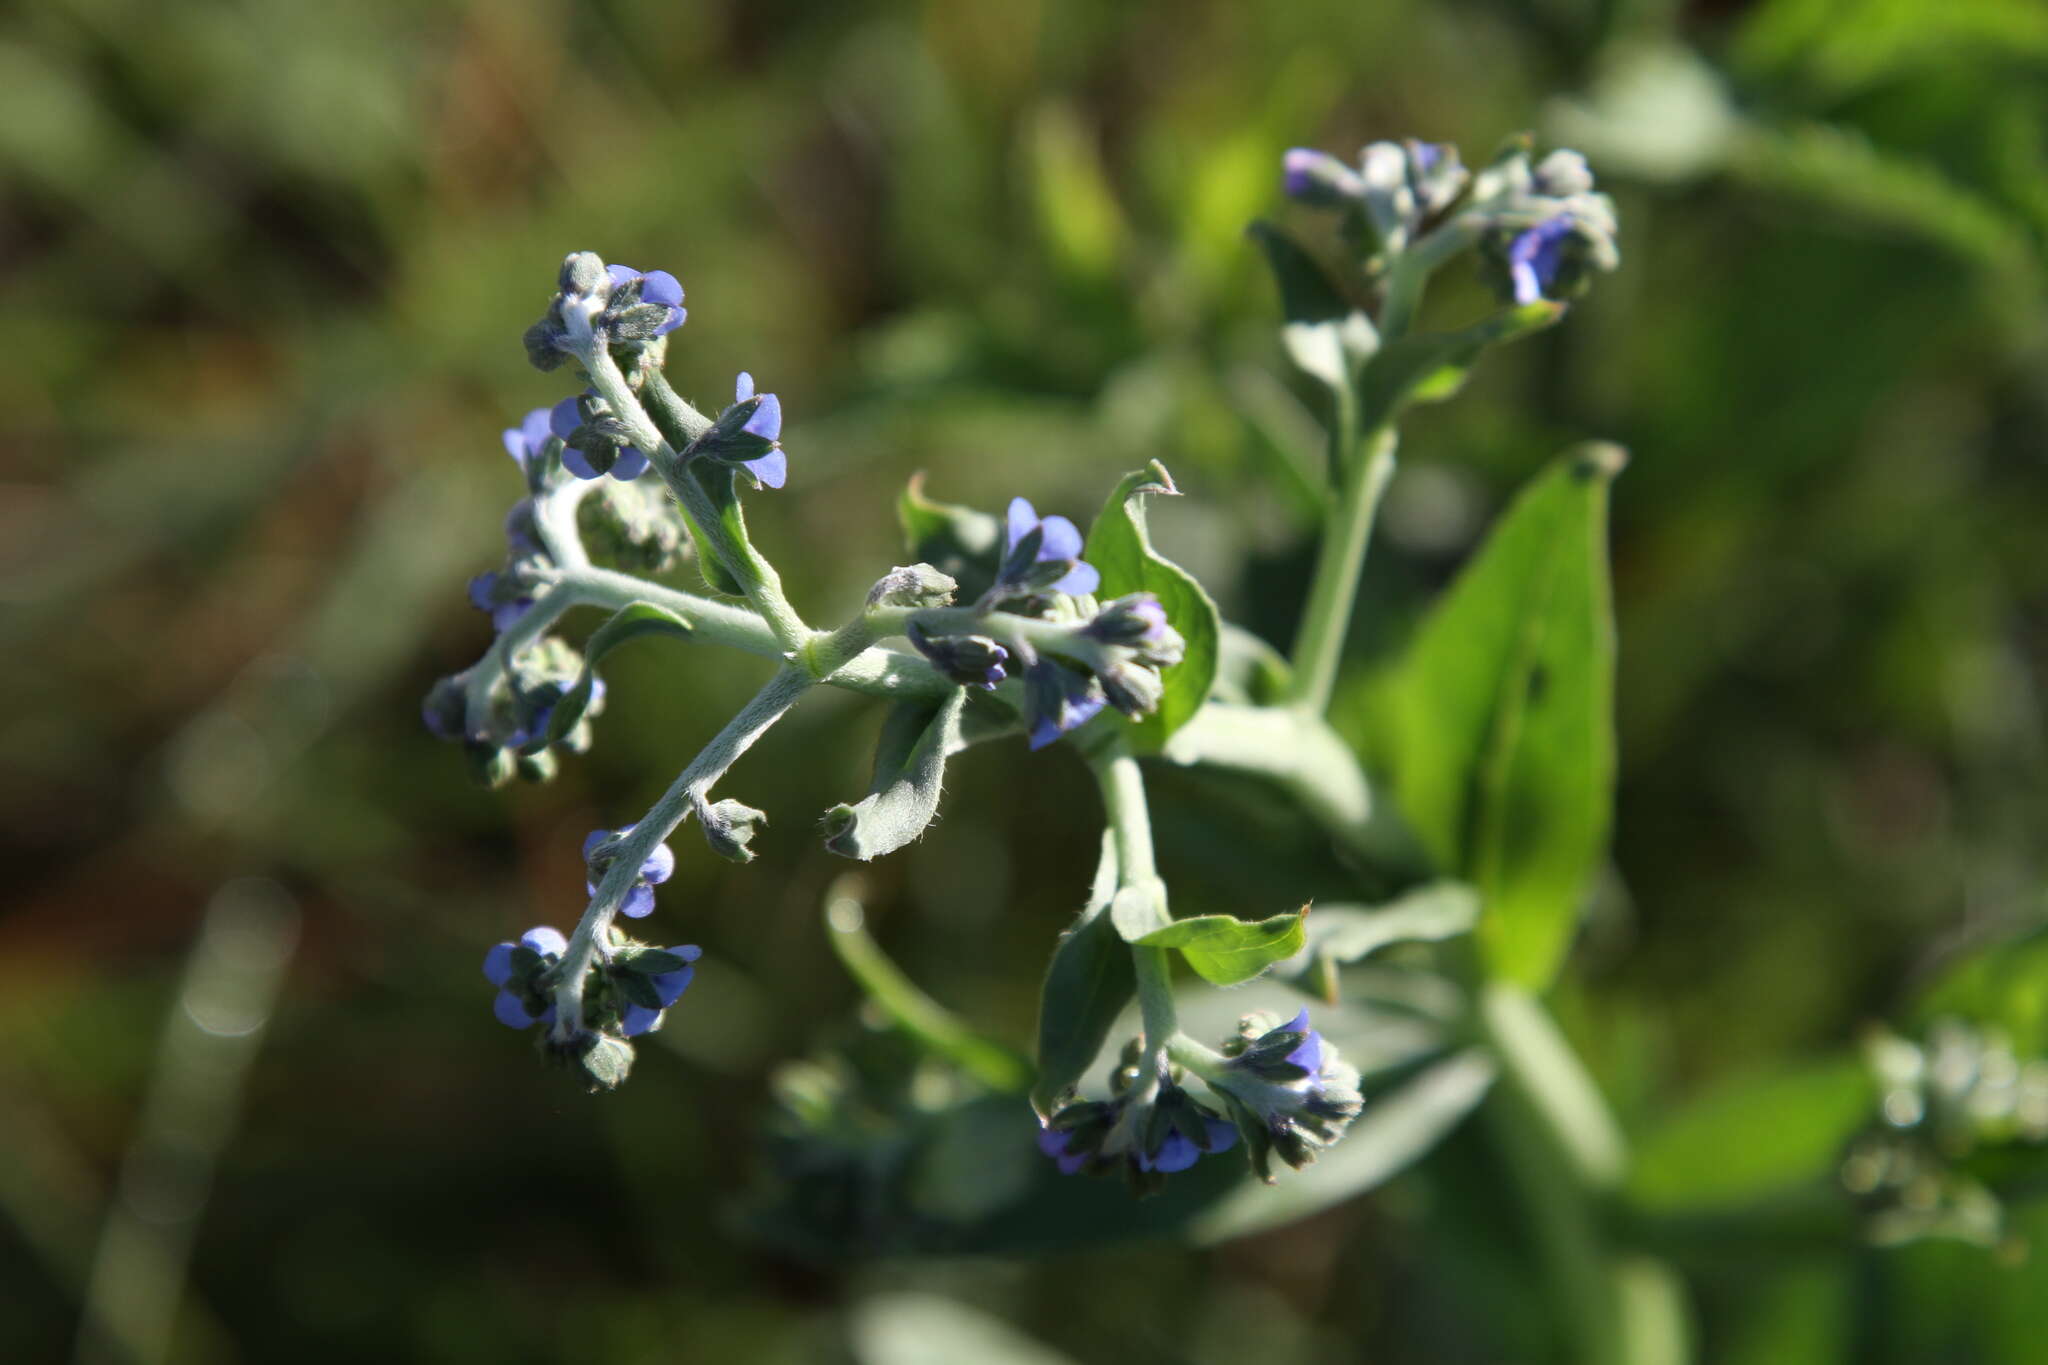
x=263, y=271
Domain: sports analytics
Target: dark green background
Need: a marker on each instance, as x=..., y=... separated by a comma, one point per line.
x=263, y=270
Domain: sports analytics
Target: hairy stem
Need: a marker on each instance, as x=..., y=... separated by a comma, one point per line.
x=1130, y=823
x=755, y=575
x=684, y=794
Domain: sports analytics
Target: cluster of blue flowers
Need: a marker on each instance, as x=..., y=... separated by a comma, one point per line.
x=1110, y=655
x=599, y=850
x=1541, y=225
x=627, y=995
x=1282, y=1087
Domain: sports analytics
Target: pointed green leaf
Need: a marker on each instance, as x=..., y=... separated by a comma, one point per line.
x=1225, y=950
x=1121, y=551
x=1087, y=984
x=1325, y=334
x=630, y=622
x=1496, y=726
x=910, y=768
x=1430, y=367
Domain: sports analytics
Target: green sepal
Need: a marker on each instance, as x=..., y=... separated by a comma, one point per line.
x=1087, y=984
x=1121, y=550
x=648, y=961
x=606, y=1061
x=960, y=542
x=630, y=622
x=636, y=989
x=1225, y=950
x=910, y=769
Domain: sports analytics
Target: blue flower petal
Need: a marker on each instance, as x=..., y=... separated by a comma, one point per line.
x=1062, y=540
x=639, y=902
x=1084, y=579
x=743, y=387
x=1022, y=517
x=565, y=416
x=671, y=985
x=630, y=465
x=658, y=286
x=510, y=1011
x=498, y=964
x=1176, y=1153
x=638, y=1019
x=660, y=864
x=621, y=274
x=771, y=470
x=546, y=941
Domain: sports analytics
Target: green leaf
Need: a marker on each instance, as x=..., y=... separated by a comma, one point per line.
x=1495, y=728
x=910, y=767
x=1087, y=984
x=630, y=622
x=934, y=1026
x=1753, y=1137
x=1430, y=367
x=1325, y=334
x=1427, y=914
x=1121, y=551
x=1225, y=950
x=957, y=541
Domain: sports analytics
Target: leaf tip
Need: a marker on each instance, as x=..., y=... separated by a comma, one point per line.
x=1601, y=460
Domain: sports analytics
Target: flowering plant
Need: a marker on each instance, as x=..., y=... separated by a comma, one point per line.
x=1488, y=739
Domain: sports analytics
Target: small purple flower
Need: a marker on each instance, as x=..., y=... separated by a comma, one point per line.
x=658, y=867
x=657, y=287
x=638, y=1019
x=1319, y=179
x=1535, y=255
x=1041, y=553
x=487, y=594
x=525, y=441
x=970, y=660
x=503, y=968
x=1178, y=1150
x=563, y=420
x=1057, y=699
x=1290, y=1092
x=537, y=724
x=1056, y=1143
x=771, y=469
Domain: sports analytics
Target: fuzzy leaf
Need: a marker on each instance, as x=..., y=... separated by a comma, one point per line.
x=910, y=768
x=957, y=541
x=1495, y=727
x=1087, y=984
x=1325, y=334
x=1121, y=551
x=1225, y=950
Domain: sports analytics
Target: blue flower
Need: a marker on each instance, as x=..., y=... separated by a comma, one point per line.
x=1057, y=699
x=638, y=1019
x=1535, y=256
x=772, y=468
x=1287, y=1089
x=657, y=287
x=563, y=420
x=514, y=969
x=1166, y=1134
x=488, y=593
x=658, y=867
x=1043, y=553
x=525, y=441
x=1319, y=179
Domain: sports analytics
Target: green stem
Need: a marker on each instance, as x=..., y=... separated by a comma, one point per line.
x=1319, y=645
x=755, y=575
x=1130, y=824
x=1566, y=1155
x=684, y=795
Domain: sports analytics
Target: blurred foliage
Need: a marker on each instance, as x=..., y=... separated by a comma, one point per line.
x=263, y=271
